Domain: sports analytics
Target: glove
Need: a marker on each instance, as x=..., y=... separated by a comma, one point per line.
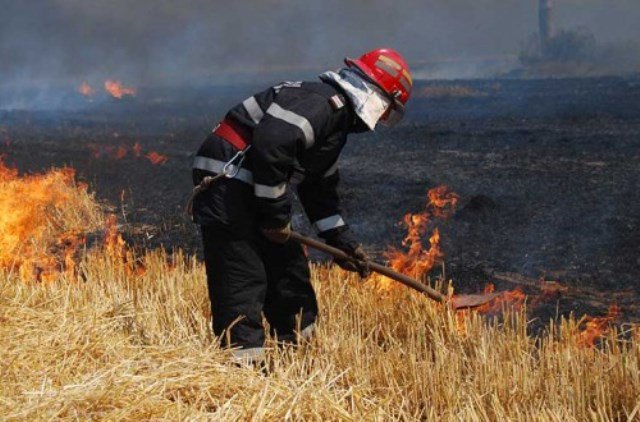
x=343, y=240
x=361, y=266
x=278, y=235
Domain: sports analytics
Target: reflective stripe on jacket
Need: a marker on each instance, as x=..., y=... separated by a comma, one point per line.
x=297, y=132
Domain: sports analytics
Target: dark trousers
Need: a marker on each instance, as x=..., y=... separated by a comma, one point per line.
x=248, y=276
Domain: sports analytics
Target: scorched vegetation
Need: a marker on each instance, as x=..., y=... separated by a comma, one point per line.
x=91, y=330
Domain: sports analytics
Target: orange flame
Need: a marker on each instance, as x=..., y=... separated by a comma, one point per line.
x=31, y=245
x=596, y=327
x=513, y=299
x=156, y=158
x=118, y=153
x=86, y=89
x=113, y=242
x=121, y=152
x=117, y=248
x=417, y=261
x=116, y=90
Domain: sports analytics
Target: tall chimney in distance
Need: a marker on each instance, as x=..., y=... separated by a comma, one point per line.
x=545, y=24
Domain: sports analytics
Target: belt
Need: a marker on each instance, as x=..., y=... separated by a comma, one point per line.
x=234, y=133
x=217, y=166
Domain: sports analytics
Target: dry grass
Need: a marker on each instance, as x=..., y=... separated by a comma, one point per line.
x=125, y=346
x=109, y=342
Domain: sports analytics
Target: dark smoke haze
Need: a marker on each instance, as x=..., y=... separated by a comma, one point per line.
x=54, y=42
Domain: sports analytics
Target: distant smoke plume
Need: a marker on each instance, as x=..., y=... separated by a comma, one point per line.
x=573, y=52
x=46, y=43
x=545, y=23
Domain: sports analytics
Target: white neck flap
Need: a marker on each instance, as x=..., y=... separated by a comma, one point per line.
x=368, y=101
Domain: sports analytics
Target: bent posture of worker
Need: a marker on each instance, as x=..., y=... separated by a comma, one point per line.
x=287, y=136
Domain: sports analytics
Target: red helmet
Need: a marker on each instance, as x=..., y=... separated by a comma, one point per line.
x=387, y=69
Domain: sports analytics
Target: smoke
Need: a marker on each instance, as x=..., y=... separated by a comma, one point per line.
x=577, y=53
x=574, y=52
x=161, y=42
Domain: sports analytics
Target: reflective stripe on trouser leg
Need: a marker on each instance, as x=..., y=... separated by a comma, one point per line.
x=308, y=332
x=248, y=355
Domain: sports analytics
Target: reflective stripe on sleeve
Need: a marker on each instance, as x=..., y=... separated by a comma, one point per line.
x=253, y=108
x=294, y=119
x=329, y=223
x=216, y=166
x=270, y=192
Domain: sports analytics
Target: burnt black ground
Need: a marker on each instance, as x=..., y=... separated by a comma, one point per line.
x=548, y=171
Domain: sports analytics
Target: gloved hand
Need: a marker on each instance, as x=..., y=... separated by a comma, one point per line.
x=278, y=235
x=343, y=240
x=361, y=266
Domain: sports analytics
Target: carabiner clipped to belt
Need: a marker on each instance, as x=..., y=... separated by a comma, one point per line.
x=230, y=170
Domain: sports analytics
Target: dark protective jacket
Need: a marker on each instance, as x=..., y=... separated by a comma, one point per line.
x=296, y=131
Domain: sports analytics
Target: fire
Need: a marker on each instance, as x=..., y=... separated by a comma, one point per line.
x=117, y=90
x=113, y=242
x=42, y=223
x=596, y=327
x=513, y=299
x=120, y=152
x=417, y=261
x=156, y=158
x=116, y=248
x=45, y=220
x=86, y=89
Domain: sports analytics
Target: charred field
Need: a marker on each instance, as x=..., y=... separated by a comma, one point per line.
x=547, y=171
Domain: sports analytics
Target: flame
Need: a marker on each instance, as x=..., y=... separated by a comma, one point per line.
x=121, y=152
x=596, y=327
x=32, y=243
x=86, y=89
x=417, y=261
x=113, y=242
x=117, y=248
x=156, y=158
x=117, y=90
x=43, y=226
x=513, y=299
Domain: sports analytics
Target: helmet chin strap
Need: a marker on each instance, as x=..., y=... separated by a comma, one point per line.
x=368, y=102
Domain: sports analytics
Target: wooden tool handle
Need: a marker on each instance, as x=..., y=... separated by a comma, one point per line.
x=381, y=269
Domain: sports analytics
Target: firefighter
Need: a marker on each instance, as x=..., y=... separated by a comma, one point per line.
x=287, y=136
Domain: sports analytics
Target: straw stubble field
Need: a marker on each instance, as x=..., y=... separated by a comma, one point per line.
x=124, y=336
x=139, y=347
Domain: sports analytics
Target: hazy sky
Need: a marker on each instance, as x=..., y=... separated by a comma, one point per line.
x=161, y=41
